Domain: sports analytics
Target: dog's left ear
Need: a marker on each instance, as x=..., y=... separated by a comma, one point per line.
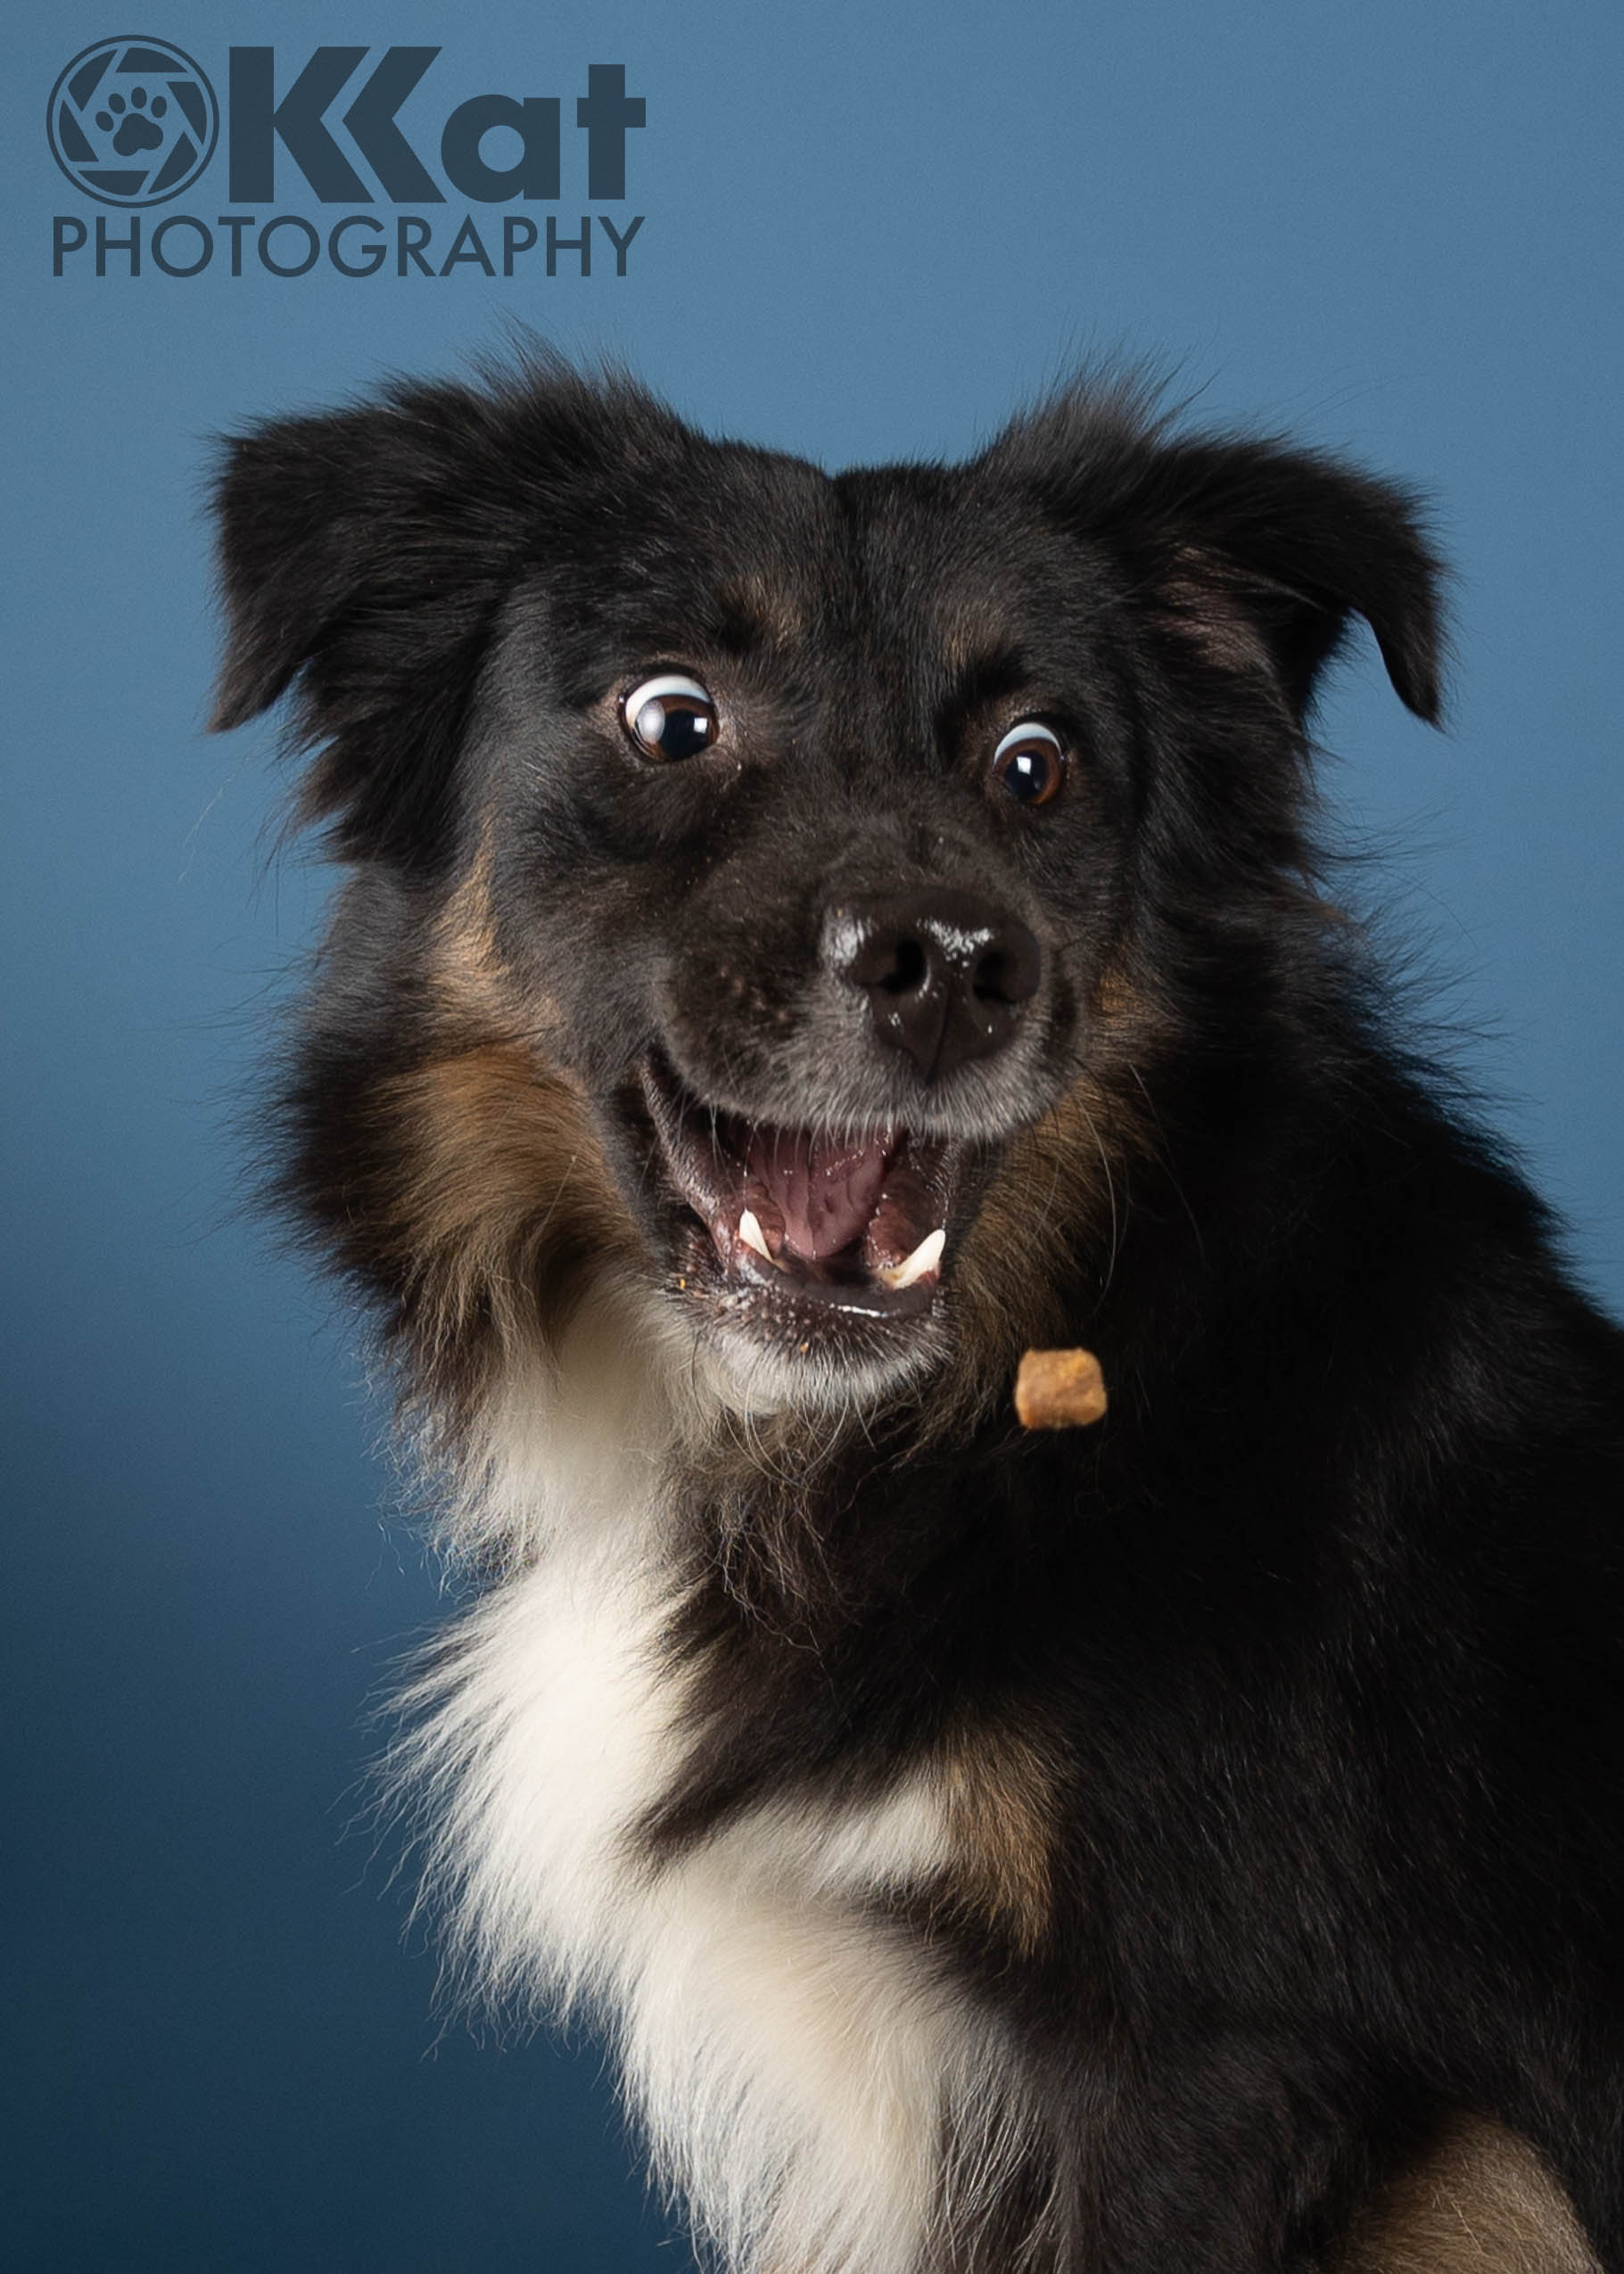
x=1256, y=553
x=1287, y=545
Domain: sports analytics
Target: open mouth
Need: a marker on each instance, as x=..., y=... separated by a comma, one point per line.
x=854, y=1222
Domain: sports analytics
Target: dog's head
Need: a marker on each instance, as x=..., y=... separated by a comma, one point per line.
x=781, y=890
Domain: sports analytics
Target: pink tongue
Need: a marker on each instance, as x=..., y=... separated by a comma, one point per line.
x=825, y=1194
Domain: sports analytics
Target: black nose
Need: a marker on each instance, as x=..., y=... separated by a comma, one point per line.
x=947, y=974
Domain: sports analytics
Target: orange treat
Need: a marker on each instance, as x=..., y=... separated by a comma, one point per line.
x=1058, y=1389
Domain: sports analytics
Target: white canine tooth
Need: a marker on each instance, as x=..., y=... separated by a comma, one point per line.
x=752, y=1234
x=925, y=1259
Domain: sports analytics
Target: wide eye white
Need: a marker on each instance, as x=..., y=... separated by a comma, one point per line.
x=1029, y=762
x=671, y=716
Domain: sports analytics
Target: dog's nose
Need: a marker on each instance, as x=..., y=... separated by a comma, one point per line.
x=947, y=974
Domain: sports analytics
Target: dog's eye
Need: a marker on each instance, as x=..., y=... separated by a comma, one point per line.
x=670, y=717
x=1029, y=764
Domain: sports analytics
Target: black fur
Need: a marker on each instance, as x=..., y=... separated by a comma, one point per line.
x=1320, y=1630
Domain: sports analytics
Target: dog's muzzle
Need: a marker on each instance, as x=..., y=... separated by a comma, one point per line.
x=815, y=1149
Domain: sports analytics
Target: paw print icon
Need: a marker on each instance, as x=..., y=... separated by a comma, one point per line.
x=133, y=122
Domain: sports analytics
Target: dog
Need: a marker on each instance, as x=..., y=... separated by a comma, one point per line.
x=805, y=940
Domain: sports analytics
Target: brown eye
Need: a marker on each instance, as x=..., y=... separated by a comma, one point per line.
x=1029, y=764
x=670, y=717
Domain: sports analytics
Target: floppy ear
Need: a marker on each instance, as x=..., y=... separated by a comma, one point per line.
x=1255, y=550
x=364, y=558
x=348, y=571
x=1291, y=545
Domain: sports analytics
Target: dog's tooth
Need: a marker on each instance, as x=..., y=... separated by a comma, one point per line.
x=925, y=1259
x=752, y=1234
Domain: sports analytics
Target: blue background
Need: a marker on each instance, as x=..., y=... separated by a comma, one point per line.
x=870, y=230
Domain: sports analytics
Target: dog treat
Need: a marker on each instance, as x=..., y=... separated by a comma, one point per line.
x=1058, y=1389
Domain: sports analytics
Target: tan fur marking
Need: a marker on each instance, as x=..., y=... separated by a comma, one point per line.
x=1000, y=1796
x=967, y=641
x=1481, y=2202
x=467, y=962
x=1128, y=1016
x=503, y=1169
x=768, y=603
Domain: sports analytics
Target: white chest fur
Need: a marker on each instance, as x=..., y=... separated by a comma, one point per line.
x=798, y=2062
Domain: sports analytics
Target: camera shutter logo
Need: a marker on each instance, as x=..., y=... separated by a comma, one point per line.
x=133, y=122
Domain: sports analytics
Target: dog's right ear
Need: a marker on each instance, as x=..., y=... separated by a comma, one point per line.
x=294, y=549
x=364, y=558
x=344, y=579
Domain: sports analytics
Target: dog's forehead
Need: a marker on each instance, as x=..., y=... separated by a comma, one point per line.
x=751, y=551
x=942, y=559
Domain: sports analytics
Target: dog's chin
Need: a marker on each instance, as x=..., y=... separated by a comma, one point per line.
x=751, y=1372
x=809, y=1261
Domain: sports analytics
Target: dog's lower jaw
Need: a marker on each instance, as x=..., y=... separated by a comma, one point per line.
x=753, y=1378
x=798, y=2061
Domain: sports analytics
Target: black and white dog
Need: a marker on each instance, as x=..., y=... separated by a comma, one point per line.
x=806, y=939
